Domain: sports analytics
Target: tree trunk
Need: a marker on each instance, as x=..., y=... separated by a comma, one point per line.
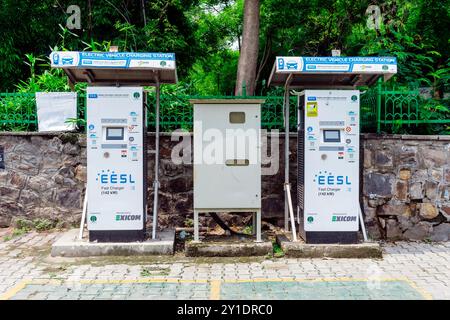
x=248, y=58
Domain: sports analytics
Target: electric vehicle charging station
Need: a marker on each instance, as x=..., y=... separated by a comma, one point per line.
x=116, y=137
x=328, y=208
x=116, y=157
x=328, y=167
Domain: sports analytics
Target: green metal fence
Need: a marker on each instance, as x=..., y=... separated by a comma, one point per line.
x=382, y=109
x=393, y=110
x=177, y=113
x=18, y=111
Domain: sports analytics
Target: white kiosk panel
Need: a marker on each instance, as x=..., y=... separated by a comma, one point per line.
x=115, y=153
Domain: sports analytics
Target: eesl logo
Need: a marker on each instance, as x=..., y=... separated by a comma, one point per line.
x=92, y=95
x=128, y=217
x=312, y=98
x=343, y=218
x=328, y=178
x=107, y=176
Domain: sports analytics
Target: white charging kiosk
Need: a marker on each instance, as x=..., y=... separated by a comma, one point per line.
x=328, y=208
x=116, y=135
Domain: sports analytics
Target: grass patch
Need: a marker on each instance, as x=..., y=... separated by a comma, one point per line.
x=277, y=251
x=153, y=271
x=248, y=230
x=17, y=232
x=189, y=223
x=43, y=224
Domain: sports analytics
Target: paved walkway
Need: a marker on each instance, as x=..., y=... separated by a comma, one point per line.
x=409, y=270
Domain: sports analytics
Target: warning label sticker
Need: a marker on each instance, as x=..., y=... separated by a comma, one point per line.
x=311, y=109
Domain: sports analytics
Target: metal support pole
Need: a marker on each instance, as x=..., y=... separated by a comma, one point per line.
x=83, y=214
x=287, y=189
x=361, y=221
x=299, y=124
x=286, y=155
x=196, y=226
x=156, y=178
x=258, y=226
x=379, y=105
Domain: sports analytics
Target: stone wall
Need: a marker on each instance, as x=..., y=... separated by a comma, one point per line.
x=43, y=177
x=405, y=183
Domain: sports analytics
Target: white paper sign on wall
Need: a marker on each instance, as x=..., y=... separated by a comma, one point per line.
x=54, y=109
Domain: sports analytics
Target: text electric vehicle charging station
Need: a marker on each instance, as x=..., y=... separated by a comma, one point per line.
x=116, y=136
x=328, y=208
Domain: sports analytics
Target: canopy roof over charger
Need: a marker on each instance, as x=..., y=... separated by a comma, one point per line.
x=123, y=68
x=117, y=68
x=330, y=72
x=323, y=73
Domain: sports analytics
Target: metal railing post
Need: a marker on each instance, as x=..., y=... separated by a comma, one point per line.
x=156, y=178
x=379, y=88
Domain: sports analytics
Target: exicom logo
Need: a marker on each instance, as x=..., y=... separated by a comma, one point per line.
x=324, y=178
x=343, y=218
x=111, y=177
x=128, y=217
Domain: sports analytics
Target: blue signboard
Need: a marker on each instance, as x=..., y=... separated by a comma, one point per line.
x=336, y=64
x=122, y=60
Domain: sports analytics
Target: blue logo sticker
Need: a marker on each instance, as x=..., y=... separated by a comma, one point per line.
x=312, y=99
x=291, y=65
x=56, y=58
x=67, y=60
x=111, y=177
x=92, y=95
x=310, y=129
x=280, y=63
x=329, y=179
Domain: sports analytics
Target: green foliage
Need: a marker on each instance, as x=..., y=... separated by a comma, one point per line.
x=277, y=251
x=17, y=232
x=188, y=223
x=432, y=109
x=41, y=224
x=215, y=75
x=248, y=230
x=205, y=36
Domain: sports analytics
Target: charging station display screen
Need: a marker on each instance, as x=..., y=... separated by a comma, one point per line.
x=114, y=133
x=332, y=136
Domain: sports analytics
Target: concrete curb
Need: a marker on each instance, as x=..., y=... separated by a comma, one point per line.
x=228, y=249
x=69, y=246
x=304, y=250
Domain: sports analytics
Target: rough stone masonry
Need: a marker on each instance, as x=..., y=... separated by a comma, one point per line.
x=405, y=183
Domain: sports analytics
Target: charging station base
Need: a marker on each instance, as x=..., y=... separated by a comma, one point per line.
x=300, y=249
x=68, y=245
